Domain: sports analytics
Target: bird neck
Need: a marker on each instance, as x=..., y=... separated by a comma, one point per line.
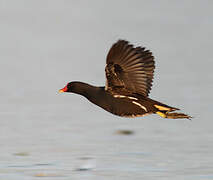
x=85, y=89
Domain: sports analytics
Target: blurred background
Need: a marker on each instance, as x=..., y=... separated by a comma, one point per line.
x=46, y=43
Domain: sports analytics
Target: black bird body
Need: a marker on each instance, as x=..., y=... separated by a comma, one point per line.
x=121, y=105
x=129, y=72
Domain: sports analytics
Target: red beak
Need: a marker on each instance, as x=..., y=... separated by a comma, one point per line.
x=63, y=89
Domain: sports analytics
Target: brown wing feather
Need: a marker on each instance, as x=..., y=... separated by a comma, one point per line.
x=129, y=69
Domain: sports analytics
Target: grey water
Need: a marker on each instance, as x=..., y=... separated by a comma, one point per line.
x=46, y=135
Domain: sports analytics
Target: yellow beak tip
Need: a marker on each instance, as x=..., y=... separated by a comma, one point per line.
x=60, y=91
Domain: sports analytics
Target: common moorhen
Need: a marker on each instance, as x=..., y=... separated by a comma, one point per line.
x=129, y=75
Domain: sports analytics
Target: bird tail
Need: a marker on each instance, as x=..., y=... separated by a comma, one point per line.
x=164, y=111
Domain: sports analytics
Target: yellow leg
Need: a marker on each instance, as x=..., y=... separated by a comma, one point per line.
x=173, y=115
x=161, y=114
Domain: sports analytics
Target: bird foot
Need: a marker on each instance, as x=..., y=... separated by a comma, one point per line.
x=173, y=115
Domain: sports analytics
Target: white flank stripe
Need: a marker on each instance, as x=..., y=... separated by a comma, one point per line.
x=119, y=96
x=132, y=98
x=122, y=96
x=139, y=105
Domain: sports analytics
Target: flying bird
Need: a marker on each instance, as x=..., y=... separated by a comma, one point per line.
x=129, y=76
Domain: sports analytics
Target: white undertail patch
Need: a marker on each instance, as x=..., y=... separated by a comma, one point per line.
x=162, y=108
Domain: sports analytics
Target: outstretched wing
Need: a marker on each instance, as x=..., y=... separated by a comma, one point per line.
x=129, y=69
